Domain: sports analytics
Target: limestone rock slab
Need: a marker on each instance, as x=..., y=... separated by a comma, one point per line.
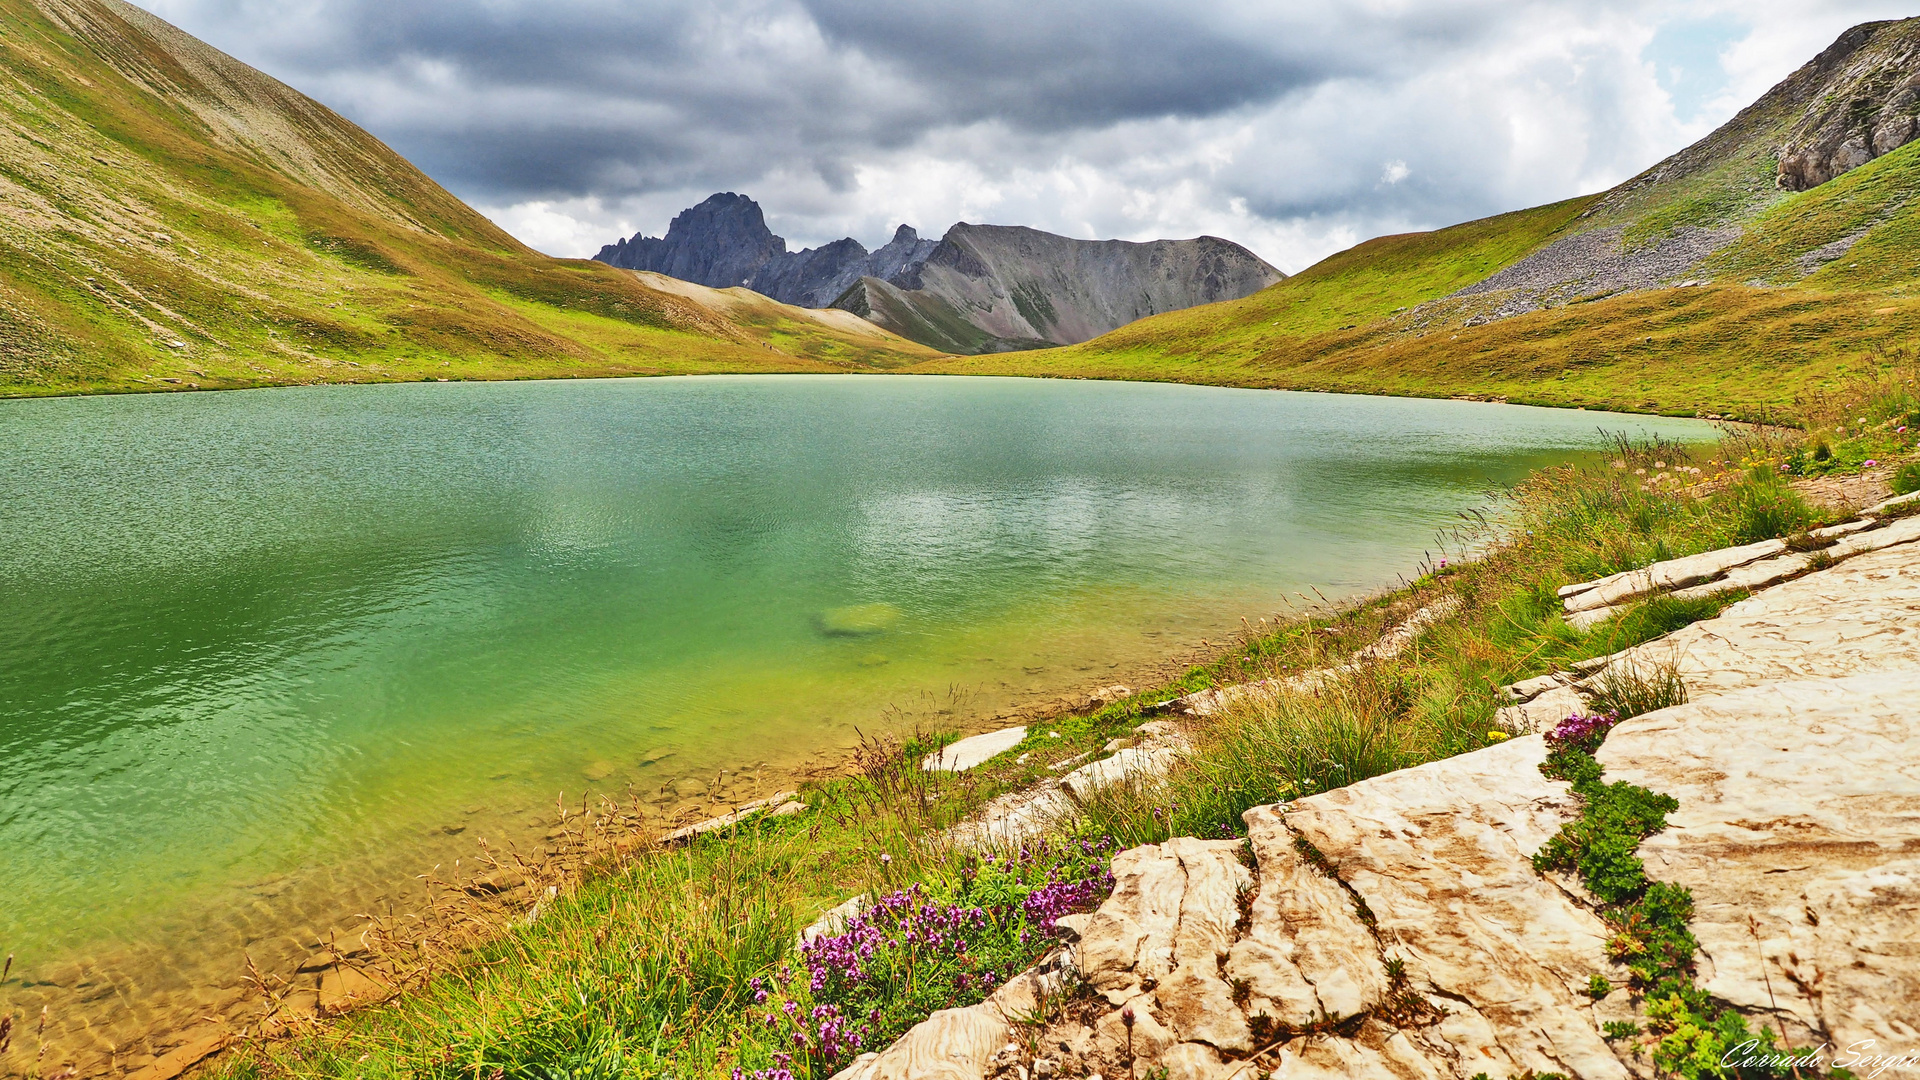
x=1671, y=574
x=1903, y=531
x=1799, y=808
x=1861, y=615
x=1527, y=689
x=1441, y=854
x=1134, y=763
x=1756, y=575
x=1306, y=953
x=1541, y=713
x=973, y=752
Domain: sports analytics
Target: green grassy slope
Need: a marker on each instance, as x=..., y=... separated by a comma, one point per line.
x=1786, y=314
x=170, y=217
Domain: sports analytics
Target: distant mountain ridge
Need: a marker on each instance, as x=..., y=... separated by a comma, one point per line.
x=724, y=242
x=980, y=288
x=1003, y=288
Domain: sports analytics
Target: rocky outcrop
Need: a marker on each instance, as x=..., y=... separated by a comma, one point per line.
x=724, y=242
x=1750, y=566
x=1799, y=835
x=1397, y=927
x=1868, y=107
x=981, y=288
x=1857, y=100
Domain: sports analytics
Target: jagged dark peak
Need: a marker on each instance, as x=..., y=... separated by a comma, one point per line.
x=720, y=243
x=900, y=257
x=813, y=277
x=990, y=288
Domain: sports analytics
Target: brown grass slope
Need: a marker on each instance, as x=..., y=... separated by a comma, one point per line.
x=171, y=217
x=1794, y=290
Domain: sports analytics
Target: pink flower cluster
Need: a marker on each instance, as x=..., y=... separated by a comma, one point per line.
x=901, y=922
x=1064, y=896
x=910, y=951
x=1582, y=733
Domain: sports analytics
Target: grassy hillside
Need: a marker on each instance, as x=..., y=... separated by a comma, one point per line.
x=1766, y=334
x=173, y=218
x=1803, y=288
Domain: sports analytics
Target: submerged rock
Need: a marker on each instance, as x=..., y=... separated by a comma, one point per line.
x=858, y=620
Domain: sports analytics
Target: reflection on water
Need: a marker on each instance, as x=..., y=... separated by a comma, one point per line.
x=264, y=651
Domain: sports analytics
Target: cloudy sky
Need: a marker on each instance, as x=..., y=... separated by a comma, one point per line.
x=1296, y=127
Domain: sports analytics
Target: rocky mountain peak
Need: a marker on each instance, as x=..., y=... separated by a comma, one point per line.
x=720, y=243
x=978, y=288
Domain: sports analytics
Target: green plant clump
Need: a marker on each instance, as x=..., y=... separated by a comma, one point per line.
x=1906, y=478
x=1698, y=1040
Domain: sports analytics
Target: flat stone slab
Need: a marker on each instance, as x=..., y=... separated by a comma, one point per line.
x=1672, y=574
x=1442, y=855
x=727, y=820
x=1527, y=689
x=1757, y=575
x=1902, y=531
x=1541, y=713
x=1800, y=810
x=1861, y=615
x=973, y=752
x=1135, y=763
x=1017, y=816
x=1881, y=508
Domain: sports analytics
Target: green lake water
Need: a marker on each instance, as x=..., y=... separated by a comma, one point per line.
x=260, y=650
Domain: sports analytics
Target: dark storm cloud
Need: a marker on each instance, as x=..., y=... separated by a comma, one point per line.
x=612, y=98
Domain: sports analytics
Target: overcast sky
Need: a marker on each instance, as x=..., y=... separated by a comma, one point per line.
x=1295, y=127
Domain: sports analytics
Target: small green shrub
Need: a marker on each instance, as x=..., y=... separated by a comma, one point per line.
x=1620, y=1029
x=1765, y=509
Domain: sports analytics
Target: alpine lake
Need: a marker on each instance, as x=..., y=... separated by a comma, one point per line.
x=267, y=655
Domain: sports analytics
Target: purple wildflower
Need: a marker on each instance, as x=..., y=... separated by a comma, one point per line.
x=1582, y=733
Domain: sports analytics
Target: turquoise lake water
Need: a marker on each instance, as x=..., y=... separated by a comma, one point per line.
x=263, y=651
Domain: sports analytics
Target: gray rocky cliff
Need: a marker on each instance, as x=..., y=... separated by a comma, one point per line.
x=817, y=276
x=993, y=288
x=981, y=288
x=1870, y=94
x=720, y=243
